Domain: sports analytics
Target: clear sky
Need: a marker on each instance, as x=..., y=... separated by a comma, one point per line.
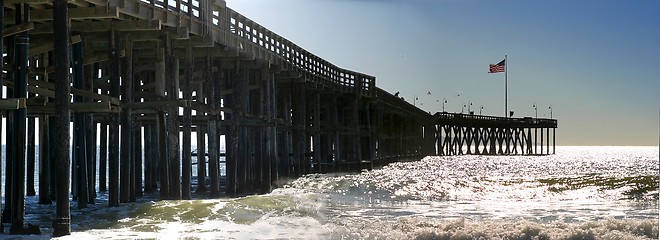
x=596, y=62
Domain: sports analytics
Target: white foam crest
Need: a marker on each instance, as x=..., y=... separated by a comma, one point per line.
x=424, y=228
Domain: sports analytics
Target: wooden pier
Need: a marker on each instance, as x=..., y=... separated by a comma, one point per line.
x=134, y=77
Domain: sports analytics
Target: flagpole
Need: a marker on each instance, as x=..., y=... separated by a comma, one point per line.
x=506, y=88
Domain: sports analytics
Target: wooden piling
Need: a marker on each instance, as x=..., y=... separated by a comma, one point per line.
x=150, y=154
x=186, y=161
x=174, y=156
x=17, y=196
x=103, y=157
x=201, y=144
x=212, y=130
x=62, y=222
x=126, y=156
x=2, y=66
x=90, y=134
x=31, y=157
x=163, y=153
x=136, y=176
x=79, y=137
x=114, y=71
x=44, y=160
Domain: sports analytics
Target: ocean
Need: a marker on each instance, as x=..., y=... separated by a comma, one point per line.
x=578, y=193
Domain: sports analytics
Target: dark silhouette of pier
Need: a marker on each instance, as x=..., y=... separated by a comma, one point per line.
x=136, y=77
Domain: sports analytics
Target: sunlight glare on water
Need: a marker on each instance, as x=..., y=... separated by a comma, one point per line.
x=579, y=193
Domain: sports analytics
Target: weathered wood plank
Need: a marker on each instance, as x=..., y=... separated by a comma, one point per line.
x=104, y=26
x=48, y=46
x=18, y=28
x=12, y=103
x=78, y=13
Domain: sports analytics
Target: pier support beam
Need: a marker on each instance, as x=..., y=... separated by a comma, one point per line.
x=186, y=161
x=125, y=170
x=113, y=132
x=2, y=66
x=172, y=70
x=201, y=144
x=17, y=196
x=214, y=168
x=62, y=222
x=79, y=137
x=103, y=157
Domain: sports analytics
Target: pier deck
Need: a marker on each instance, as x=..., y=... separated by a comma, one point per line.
x=137, y=75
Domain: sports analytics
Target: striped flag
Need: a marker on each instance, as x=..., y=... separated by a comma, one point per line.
x=495, y=68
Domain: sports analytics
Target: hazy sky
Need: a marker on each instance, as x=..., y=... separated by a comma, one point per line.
x=597, y=62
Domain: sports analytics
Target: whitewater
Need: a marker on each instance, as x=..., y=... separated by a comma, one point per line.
x=578, y=193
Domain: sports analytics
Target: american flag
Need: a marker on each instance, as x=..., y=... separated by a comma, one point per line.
x=495, y=68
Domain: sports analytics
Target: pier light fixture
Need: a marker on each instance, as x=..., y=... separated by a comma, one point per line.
x=444, y=100
x=481, y=107
x=463, y=108
x=536, y=112
x=550, y=107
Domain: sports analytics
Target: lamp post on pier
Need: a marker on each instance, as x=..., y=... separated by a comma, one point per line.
x=550, y=107
x=444, y=100
x=536, y=112
x=481, y=108
x=469, y=107
x=463, y=108
x=415, y=101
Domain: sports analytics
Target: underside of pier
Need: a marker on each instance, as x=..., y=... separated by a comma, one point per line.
x=107, y=95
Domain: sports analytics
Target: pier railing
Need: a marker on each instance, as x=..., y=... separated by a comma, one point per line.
x=395, y=103
x=459, y=119
x=217, y=23
x=249, y=35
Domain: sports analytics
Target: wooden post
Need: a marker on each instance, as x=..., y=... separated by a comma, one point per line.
x=214, y=169
x=90, y=133
x=267, y=136
x=298, y=128
x=44, y=154
x=305, y=144
x=356, y=127
x=136, y=177
x=79, y=138
x=31, y=158
x=9, y=162
x=232, y=136
x=186, y=165
x=201, y=145
x=44, y=161
x=316, y=139
x=541, y=141
x=172, y=71
x=103, y=157
x=536, y=141
x=62, y=222
x=150, y=150
x=274, y=157
x=547, y=141
x=162, y=157
x=17, y=196
x=553, y=140
x=2, y=66
x=337, y=136
x=126, y=158
x=285, y=132
x=114, y=142
x=241, y=108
